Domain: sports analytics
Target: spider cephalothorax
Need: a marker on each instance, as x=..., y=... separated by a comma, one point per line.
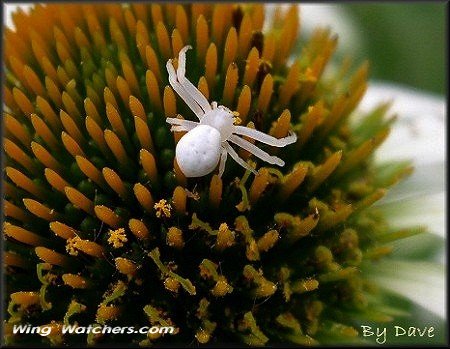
x=207, y=142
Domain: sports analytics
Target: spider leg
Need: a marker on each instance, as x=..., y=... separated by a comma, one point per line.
x=223, y=160
x=181, y=91
x=236, y=158
x=179, y=125
x=190, y=88
x=265, y=138
x=181, y=122
x=179, y=129
x=256, y=151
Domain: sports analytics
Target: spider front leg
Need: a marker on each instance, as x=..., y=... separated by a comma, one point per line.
x=182, y=92
x=181, y=124
x=195, y=93
x=246, y=145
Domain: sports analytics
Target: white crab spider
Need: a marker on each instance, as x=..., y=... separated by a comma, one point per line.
x=207, y=142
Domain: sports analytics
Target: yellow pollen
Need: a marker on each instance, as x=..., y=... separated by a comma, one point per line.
x=223, y=228
x=236, y=120
x=117, y=237
x=163, y=208
x=71, y=245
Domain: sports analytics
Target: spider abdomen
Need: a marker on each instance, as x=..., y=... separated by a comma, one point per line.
x=198, y=151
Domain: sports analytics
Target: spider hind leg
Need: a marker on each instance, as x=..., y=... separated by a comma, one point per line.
x=274, y=160
x=236, y=158
x=223, y=160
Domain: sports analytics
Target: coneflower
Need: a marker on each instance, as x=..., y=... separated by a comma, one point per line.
x=101, y=225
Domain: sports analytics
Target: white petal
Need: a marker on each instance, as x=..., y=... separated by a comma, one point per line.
x=419, y=136
x=408, y=102
x=313, y=16
x=426, y=211
x=426, y=179
x=418, y=200
x=337, y=19
x=421, y=282
x=422, y=247
x=419, y=133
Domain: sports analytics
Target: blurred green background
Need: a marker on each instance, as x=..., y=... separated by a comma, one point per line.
x=405, y=41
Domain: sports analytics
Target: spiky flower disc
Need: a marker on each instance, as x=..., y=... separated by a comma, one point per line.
x=103, y=228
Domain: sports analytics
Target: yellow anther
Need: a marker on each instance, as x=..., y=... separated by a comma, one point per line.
x=236, y=120
x=71, y=245
x=163, y=208
x=117, y=237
